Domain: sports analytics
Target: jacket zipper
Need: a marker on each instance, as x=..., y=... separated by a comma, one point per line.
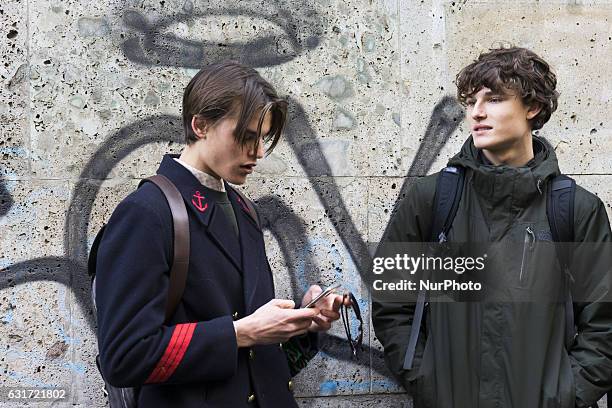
x=527, y=245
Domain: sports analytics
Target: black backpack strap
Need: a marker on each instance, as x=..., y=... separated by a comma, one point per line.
x=180, y=260
x=560, y=213
x=414, y=330
x=449, y=187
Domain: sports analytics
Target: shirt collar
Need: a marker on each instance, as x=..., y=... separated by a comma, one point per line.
x=204, y=178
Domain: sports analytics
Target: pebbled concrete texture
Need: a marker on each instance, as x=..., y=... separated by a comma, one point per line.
x=90, y=99
x=14, y=98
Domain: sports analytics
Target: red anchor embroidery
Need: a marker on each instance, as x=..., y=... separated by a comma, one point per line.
x=199, y=205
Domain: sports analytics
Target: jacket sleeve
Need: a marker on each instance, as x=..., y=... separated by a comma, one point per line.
x=591, y=353
x=135, y=345
x=393, y=321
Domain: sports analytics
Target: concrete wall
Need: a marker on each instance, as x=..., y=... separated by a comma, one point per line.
x=90, y=100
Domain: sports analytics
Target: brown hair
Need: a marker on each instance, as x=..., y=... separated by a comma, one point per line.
x=229, y=88
x=512, y=69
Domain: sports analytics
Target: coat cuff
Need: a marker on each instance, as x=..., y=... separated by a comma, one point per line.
x=212, y=353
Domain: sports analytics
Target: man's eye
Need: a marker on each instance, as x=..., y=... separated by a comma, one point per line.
x=495, y=99
x=470, y=102
x=264, y=138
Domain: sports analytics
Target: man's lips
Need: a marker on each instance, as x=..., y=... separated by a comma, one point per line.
x=248, y=167
x=478, y=128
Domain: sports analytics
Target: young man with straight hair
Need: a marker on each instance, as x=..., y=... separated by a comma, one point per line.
x=502, y=354
x=228, y=341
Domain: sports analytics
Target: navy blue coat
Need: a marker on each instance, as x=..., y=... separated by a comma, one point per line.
x=194, y=361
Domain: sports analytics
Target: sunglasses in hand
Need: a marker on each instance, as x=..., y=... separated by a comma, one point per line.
x=349, y=313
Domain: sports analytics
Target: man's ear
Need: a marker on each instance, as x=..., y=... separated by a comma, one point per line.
x=533, y=111
x=199, y=126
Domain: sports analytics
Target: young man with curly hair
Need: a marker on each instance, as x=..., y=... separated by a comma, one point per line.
x=501, y=354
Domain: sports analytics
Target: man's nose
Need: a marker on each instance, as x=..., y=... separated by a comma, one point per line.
x=478, y=110
x=259, y=150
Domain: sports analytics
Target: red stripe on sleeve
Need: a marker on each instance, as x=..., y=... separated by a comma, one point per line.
x=160, y=368
x=173, y=353
x=181, y=352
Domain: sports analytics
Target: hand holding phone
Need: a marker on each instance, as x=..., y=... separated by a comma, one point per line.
x=326, y=292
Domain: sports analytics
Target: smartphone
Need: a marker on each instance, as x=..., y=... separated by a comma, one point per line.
x=321, y=295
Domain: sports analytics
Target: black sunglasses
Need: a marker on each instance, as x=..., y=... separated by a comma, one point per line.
x=355, y=343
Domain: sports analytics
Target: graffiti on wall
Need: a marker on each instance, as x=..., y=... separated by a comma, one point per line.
x=149, y=44
x=289, y=32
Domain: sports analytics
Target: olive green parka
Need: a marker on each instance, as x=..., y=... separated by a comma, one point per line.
x=511, y=354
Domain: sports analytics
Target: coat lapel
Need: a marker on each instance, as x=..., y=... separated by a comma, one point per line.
x=203, y=208
x=221, y=231
x=251, y=245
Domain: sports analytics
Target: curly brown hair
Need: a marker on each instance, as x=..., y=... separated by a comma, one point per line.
x=518, y=70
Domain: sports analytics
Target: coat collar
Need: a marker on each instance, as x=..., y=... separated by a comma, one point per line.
x=202, y=208
x=519, y=186
x=190, y=188
x=240, y=204
x=204, y=178
x=195, y=196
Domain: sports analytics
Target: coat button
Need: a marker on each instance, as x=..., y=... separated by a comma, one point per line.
x=280, y=346
x=235, y=316
x=251, y=398
x=290, y=385
x=252, y=354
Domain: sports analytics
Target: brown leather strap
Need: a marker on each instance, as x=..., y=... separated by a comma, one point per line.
x=250, y=206
x=180, y=261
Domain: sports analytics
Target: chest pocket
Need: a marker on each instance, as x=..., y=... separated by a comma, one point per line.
x=533, y=264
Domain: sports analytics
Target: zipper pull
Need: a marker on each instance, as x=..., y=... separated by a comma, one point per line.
x=539, y=186
x=531, y=241
x=442, y=238
x=528, y=244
